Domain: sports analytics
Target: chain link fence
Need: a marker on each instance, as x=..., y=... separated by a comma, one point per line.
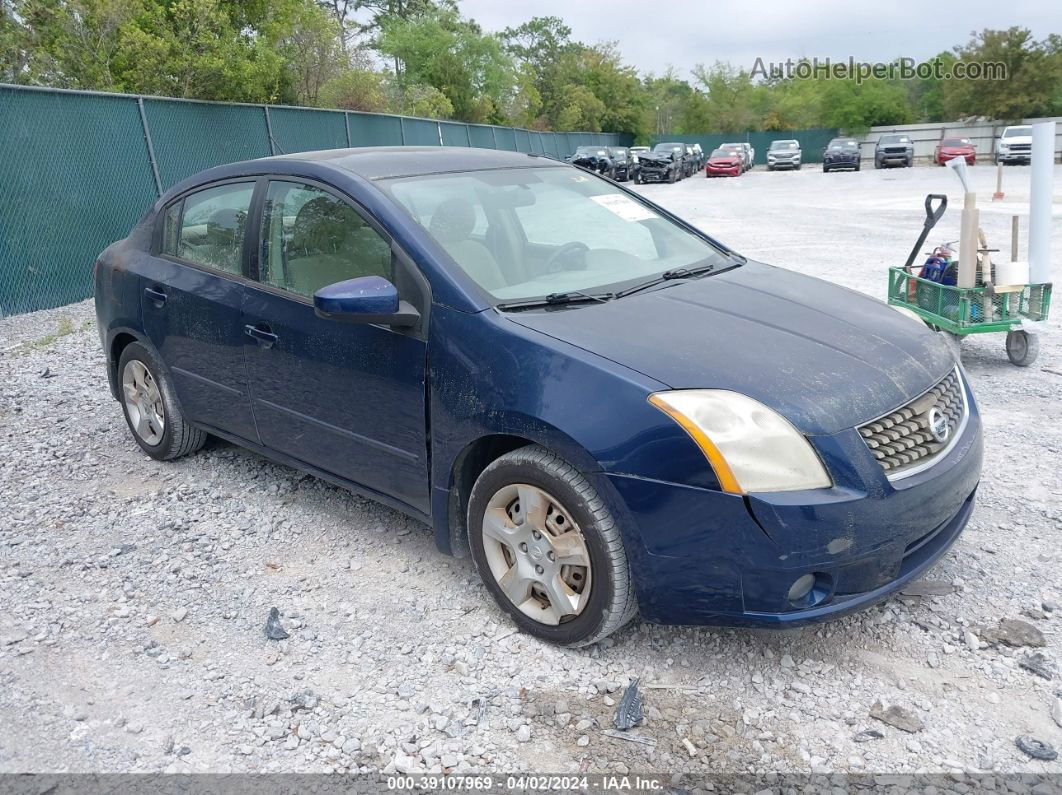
x=77, y=169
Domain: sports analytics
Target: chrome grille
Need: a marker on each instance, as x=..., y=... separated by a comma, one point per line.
x=903, y=442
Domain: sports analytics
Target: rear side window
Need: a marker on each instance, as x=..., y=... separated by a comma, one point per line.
x=212, y=227
x=311, y=239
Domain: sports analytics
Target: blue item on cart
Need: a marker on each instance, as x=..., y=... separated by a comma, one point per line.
x=934, y=268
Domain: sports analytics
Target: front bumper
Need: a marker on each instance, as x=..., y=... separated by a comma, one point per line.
x=700, y=556
x=944, y=157
x=723, y=171
x=1015, y=157
x=652, y=175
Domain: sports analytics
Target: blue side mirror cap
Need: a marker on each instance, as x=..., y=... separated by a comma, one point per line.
x=367, y=299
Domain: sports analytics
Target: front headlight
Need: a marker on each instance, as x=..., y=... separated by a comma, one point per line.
x=751, y=447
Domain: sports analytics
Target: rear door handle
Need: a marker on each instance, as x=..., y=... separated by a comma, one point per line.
x=156, y=296
x=261, y=334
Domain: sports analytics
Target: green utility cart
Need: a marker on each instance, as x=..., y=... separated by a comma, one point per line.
x=975, y=310
x=984, y=308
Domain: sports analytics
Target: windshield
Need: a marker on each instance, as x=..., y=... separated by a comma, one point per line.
x=618, y=154
x=723, y=153
x=668, y=148
x=894, y=139
x=955, y=142
x=843, y=145
x=1014, y=132
x=590, y=150
x=528, y=232
x=784, y=145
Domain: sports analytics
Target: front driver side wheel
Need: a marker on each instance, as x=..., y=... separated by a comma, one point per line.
x=548, y=549
x=150, y=406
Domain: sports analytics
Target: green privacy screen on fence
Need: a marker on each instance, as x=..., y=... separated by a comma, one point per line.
x=76, y=168
x=812, y=141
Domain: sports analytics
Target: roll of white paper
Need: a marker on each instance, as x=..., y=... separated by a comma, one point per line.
x=1010, y=273
x=1040, y=195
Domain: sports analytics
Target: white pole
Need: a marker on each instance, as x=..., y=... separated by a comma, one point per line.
x=1040, y=202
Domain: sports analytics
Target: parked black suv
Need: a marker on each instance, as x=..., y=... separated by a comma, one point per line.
x=593, y=158
x=624, y=166
x=668, y=162
x=841, y=153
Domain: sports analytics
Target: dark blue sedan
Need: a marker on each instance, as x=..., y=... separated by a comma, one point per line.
x=612, y=412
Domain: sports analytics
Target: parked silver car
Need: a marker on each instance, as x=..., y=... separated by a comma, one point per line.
x=784, y=154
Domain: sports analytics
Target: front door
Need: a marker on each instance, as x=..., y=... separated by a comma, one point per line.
x=345, y=398
x=192, y=293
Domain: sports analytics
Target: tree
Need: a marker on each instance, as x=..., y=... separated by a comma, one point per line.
x=194, y=48
x=314, y=50
x=356, y=89
x=441, y=49
x=729, y=97
x=1033, y=74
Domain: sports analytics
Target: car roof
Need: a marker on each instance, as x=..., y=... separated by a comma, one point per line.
x=387, y=162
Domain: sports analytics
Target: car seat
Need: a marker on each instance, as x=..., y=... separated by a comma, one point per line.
x=451, y=225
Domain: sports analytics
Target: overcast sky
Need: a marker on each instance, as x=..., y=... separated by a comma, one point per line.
x=651, y=37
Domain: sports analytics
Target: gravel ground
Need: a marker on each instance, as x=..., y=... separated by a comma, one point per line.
x=133, y=593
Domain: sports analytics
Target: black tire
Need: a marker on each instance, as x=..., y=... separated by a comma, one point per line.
x=638, y=178
x=612, y=602
x=671, y=177
x=857, y=167
x=1022, y=348
x=178, y=437
x=825, y=170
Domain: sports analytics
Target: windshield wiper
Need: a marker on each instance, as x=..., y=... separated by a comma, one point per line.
x=667, y=276
x=559, y=299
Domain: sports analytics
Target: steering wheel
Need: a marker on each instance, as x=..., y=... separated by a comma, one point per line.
x=553, y=263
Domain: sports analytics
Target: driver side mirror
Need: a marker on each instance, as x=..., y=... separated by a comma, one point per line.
x=367, y=299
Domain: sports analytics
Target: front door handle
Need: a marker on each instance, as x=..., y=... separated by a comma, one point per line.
x=262, y=334
x=156, y=296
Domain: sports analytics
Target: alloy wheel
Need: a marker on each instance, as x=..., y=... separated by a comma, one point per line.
x=536, y=553
x=143, y=402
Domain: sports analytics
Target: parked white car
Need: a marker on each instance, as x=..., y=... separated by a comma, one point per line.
x=1015, y=145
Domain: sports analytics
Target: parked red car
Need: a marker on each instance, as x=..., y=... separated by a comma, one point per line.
x=949, y=148
x=723, y=163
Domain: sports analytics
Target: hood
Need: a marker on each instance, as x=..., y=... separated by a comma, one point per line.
x=825, y=357
x=655, y=157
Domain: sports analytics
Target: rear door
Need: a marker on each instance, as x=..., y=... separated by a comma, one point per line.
x=193, y=290
x=345, y=398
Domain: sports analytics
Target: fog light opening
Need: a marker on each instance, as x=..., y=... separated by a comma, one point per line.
x=810, y=589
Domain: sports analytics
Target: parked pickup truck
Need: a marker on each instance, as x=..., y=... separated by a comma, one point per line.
x=1015, y=145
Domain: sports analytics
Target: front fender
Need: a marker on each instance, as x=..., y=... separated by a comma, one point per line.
x=492, y=378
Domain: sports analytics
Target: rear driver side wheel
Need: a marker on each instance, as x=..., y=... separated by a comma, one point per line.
x=548, y=550
x=150, y=406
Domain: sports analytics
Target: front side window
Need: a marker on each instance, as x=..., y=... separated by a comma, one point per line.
x=171, y=228
x=212, y=227
x=311, y=239
x=548, y=230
